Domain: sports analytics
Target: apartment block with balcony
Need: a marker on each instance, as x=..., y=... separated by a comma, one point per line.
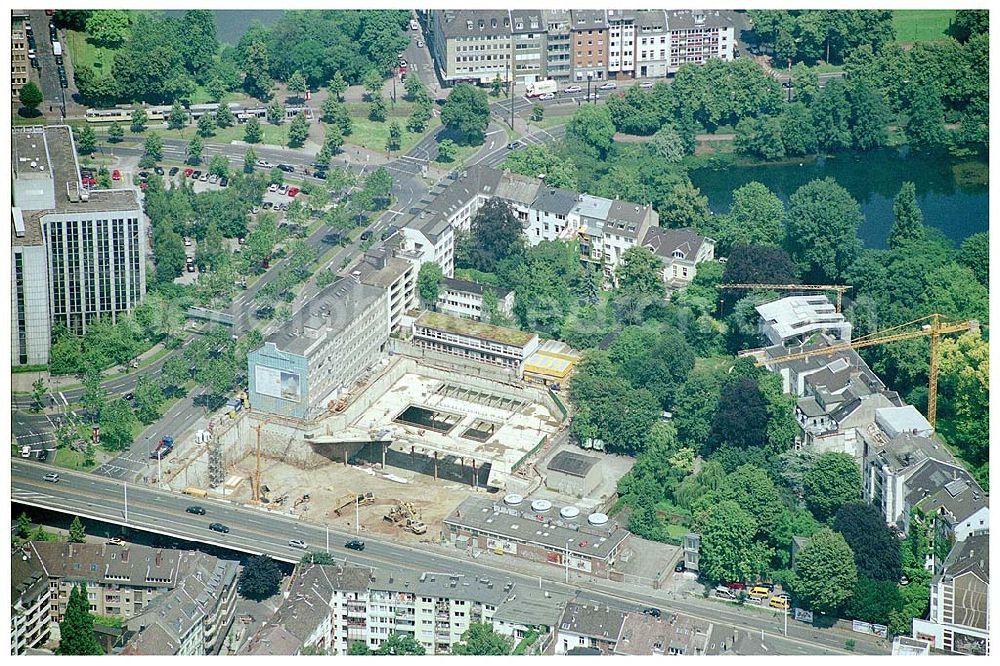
x=528, y=45
x=696, y=35
x=29, y=602
x=472, y=45
x=76, y=255
x=558, y=65
x=959, y=618
x=589, y=44
x=385, y=268
x=473, y=340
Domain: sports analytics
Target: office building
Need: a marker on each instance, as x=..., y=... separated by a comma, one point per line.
x=385, y=268
x=472, y=45
x=485, y=343
x=76, y=255
x=318, y=354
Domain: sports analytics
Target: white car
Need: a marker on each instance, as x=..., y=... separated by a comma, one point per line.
x=273, y=187
x=298, y=543
x=547, y=96
x=283, y=189
x=187, y=242
x=265, y=164
x=203, y=178
x=420, y=43
x=214, y=178
x=646, y=84
x=610, y=85
x=572, y=89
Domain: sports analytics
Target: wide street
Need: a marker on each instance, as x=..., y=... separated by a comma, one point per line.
x=260, y=531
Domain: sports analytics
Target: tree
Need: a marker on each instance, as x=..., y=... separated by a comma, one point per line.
x=224, y=116
x=76, y=631
x=86, y=141
x=696, y=404
x=537, y=112
x=466, y=112
x=206, y=125
x=825, y=574
x=194, y=149
x=377, y=110
x=823, y=220
x=685, y=207
x=276, y=112
x=420, y=115
x=357, y=649
x=23, y=526
x=481, y=639
x=76, y=532
x=94, y=396
x=317, y=557
x=373, y=82
x=969, y=22
x=640, y=274
x=755, y=492
x=832, y=482
x=118, y=424
x=832, y=116
x=178, y=117
x=108, y=27
x=219, y=166
x=538, y=160
x=908, y=220
x=429, y=283
x=757, y=217
x=249, y=160
x=139, y=120
x=298, y=131
x=798, y=132
x=257, y=79
x=874, y=601
x=728, y=549
x=974, y=254
x=592, y=125
x=153, y=146
x=447, y=150
x=760, y=137
x=926, y=125
x=260, y=578
x=414, y=87
x=337, y=85
x=260, y=242
x=496, y=234
x=115, y=133
x=335, y=113
x=964, y=374
x=252, y=132
x=148, y=400
x=741, y=417
x=400, y=644
x=395, y=137
x=297, y=84
x=31, y=97
x=869, y=116
x=38, y=391
x=876, y=548
x=668, y=144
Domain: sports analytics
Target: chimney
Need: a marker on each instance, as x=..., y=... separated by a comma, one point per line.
x=124, y=555
x=159, y=558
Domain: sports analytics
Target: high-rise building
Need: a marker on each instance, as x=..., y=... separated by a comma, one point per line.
x=76, y=255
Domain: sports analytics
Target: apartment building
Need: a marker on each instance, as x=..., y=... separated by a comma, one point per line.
x=472, y=45
x=609, y=228
x=464, y=298
x=652, y=44
x=528, y=45
x=558, y=61
x=600, y=630
x=30, y=602
x=19, y=64
x=791, y=321
x=959, y=618
x=680, y=250
x=589, y=44
x=505, y=347
x=76, y=255
x=554, y=214
x=383, y=268
x=696, y=35
x=621, y=43
x=194, y=618
x=320, y=352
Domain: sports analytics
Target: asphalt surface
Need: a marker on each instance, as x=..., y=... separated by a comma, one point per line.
x=257, y=531
x=48, y=74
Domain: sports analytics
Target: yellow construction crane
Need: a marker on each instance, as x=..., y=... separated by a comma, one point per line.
x=935, y=329
x=839, y=288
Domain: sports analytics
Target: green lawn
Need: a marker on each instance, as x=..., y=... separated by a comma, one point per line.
x=921, y=25
x=273, y=134
x=84, y=52
x=373, y=135
x=70, y=459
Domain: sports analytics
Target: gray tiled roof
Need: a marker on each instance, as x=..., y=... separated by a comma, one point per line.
x=555, y=200
x=272, y=640
x=469, y=287
x=589, y=19
x=971, y=555
x=685, y=19
x=652, y=18
x=664, y=242
x=518, y=188
x=599, y=622
x=455, y=24
x=525, y=17
x=109, y=564
x=469, y=183
x=938, y=485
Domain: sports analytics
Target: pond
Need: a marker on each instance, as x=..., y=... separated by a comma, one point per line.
x=953, y=193
x=231, y=24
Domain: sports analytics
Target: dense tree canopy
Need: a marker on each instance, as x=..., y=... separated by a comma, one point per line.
x=823, y=220
x=825, y=572
x=876, y=548
x=832, y=482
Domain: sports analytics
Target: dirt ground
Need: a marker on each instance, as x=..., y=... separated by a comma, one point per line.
x=325, y=485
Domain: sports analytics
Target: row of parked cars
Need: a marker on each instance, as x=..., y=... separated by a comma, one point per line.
x=757, y=593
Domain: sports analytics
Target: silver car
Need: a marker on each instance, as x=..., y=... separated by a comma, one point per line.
x=298, y=543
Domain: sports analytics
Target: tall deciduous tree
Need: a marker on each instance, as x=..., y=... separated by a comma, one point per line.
x=685, y=206
x=908, y=220
x=400, y=644
x=298, y=131
x=178, y=117
x=467, y=113
x=252, y=132
x=30, y=96
x=755, y=492
x=260, y=579
x=139, y=119
x=876, y=548
x=729, y=551
x=825, y=573
x=86, y=141
x=592, y=125
x=429, y=283
x=823, y=220
x=481, y=639
x=640, y=274
x=757, y=217
x=496, y=235
x=832, y=482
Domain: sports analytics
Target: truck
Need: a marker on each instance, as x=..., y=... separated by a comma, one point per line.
x=536, y=88
x=57, y=51
x=163, y=449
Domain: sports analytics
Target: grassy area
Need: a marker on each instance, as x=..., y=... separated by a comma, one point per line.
x=68, y=458
x=921, y=25
x=84, y=52
x=21, y=120
x=273, y=134
x=373, y=136
x=549, y=121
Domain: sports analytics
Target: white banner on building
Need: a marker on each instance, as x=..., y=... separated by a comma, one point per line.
x=277, y=383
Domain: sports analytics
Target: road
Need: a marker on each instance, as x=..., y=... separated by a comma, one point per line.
x=48, y=74
x=258, y=531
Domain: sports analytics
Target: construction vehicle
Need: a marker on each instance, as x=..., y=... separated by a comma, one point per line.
x=416, y=526
x=935, y=329
x=359, y=499
x=301, y=500
x=165, y=446
x=839, y=288
x=400, y=513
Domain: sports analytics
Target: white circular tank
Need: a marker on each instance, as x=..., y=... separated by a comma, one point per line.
x=597, y=519
x=569, y=512
x=541, y=505
x=513, y=499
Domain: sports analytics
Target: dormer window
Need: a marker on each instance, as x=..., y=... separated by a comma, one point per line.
x=468, y=23
x=482, y=24
x=677, y=254
x=519, y=25
x=493, y=23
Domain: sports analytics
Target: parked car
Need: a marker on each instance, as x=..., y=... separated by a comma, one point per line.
x=203, y=177
x=158, y=170
x=116, y=175
x=724, y=592
x=679, y=567
x=52, y=477
x=265, y=312
x=366, y=234
x=283, y=189
x=265, y=164
x=214, y=178
x=43, y=455
x=332, y=239
x=115, y=541
x=197, y=174
x=188, y=242
x=569, y=90
x=298, y=543
x=129, y=396
x=268, y=205
x=547, y=96
x=219, y=527
x=652, y=612
x=355, y=544
x=287, y=168
x=292, y=191
x=420, y=43
x=188, y=172
x=223, y=182
x=320, y=174
x=196, y=510
x=610, y=85
x=389, y=231
x=646, y=84
x=779, y=602
x=273, y=187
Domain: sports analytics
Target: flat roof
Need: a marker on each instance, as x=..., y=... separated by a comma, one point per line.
x=550, y=364
x=574, y=464
x=474, y=329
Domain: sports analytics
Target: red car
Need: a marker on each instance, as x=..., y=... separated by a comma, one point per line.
x=116, y=175
x=292, y=191
x=736, y=586
x=50, y=12
x=143, y=186
x=188, y=171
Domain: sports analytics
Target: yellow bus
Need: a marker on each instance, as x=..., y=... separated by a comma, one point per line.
x=195, y=492
x=779, y=602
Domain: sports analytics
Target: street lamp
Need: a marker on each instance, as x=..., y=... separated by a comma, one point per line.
x=566, y=559
x=590, y=77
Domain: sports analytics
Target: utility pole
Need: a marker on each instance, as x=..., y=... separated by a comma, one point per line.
x=327, y=539
x=126, y=502
x=357, y=514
